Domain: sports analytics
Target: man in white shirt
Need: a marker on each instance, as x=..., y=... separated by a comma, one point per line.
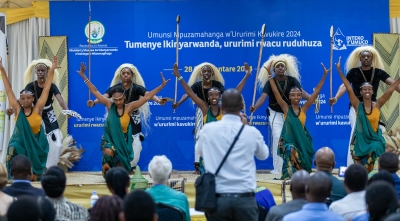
x=236, y=181
x=355, y=182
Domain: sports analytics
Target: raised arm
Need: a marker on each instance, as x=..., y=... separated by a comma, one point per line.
x=353, y=98
x=105, y=101
x=10, y=94
x=199, y=102
x=242, y=83
x=314, y=95
x=388, y=93
x=45, y=94
x=136, y=104
x=281, y=102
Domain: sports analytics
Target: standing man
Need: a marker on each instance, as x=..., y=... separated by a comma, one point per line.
x=236, y=181
x=371, y=70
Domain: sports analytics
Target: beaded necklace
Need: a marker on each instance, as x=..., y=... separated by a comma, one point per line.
x=202, y=90
x=294, y=113
x=282, y=92
x=372, y=76
x=370, y=110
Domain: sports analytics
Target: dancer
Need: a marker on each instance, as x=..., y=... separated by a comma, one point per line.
x=116, y=143
x=29, y=137
x=367, y=142
x=295, y=144
x=128, y=76
x=204, y=77
x=287, y=75
x=211, y=111
x=50, y=124
x=363, y=65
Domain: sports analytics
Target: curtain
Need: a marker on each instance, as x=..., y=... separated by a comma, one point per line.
x=395, y=25
x=23, y=48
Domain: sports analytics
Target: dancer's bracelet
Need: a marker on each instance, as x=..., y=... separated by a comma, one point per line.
x=179, y=78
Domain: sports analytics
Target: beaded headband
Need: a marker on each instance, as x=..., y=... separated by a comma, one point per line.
x=365, y=84
x=212, y=70
x=279, y=62
x=41, y=64
x=370, y=52
x=126, y=68
x=214, y=89
x=26, y=92
x=123, y=93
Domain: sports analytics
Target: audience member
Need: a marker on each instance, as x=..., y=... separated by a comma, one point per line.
x=21, y=171
x=118, y=181
x=26, y=208
x=236, y=181
x=47, y=211
x=393, y=217
x=160, y=168
x=318, y=188
x=107, y=208
x=382, y=175
x=355, y=182
x=53, y=183
x=297, y=188
x=139, y=206
x=381, y=199
x=390, y=161
x=325, y=161
x=5, y=200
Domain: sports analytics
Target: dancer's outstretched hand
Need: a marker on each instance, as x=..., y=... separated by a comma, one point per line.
x=325, y=71
x=164, y=82
x=338, y=64
x=247, y=68
x=176, y=71
x=82, y=70
x=54, y=64
x=90, y=103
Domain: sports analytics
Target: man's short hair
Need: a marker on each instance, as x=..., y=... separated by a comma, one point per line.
x=20, y=166
x=26, y=208
x=54, y=181
x=389, y=161
x=160, y=168
x=356, y=177
x=139, y=206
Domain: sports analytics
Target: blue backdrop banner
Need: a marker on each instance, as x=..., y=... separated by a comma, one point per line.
x=225, y=33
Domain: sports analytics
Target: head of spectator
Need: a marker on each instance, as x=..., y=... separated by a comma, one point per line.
x=325, y=160
x=381, y=199
x=30, y=207
x=393, y=217
x=21, y=168
x=231, y=102
x=118, y=181
x=139, y=206
x=382, y=176
x=47, y=211
x=318, y=187
x=160, y=168
x=389, y=161
x=3, y=176
x=355, y=178
x=298, y=184
x=107, y=208
x=54, y=182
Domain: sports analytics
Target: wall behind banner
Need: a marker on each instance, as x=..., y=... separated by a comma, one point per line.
x=225, y=33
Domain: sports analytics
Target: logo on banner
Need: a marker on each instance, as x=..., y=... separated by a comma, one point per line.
x=341, y=42
x=96, y=32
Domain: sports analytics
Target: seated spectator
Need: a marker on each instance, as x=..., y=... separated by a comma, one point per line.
x=318, y=188
x=139, y=206
x=5, y=200
x=297, y=188
x=53, y=183
x=160, y=168
x=393, y=217
x=382, y=175
x=355, y=182
x=47, y=211
x=118, y=181
x=264, y=198
x=390, y=162
x=21, y=171
x=381, y=199
x=325, y=161
x=107, y=208
x=26, y=208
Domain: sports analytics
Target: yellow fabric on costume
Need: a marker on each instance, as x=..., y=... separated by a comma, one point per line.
x=373, y=118
x=210, y=118
x=125, y=119
x=35, y=121
x=302, y=117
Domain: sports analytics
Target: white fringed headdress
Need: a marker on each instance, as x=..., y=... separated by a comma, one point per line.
x=291, y=64
x=137, y=79
x=353, y=61
x=29, y=76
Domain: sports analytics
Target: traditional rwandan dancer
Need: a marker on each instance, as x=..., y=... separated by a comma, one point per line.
x=363, y=65
x=116, y=143
x=295, y=144
x=367, y=142
x=287, y=75
x=29, y=137
x=128, y=76
x=204, y=77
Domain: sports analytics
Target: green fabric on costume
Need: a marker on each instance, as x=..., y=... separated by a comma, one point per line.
x=116, y=140
x=210, y=118
x=366, y=140
x=293, y=133
x=24, y=142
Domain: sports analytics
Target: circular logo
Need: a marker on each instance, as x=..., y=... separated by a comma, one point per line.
x=96, y=32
